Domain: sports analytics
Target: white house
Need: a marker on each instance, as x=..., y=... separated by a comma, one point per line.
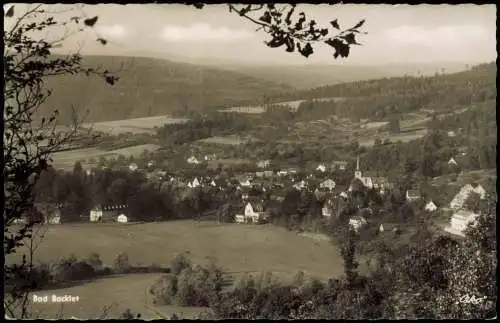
x=133, y=167
x=343, y=194
x=212, y=183
x=451, y=133
x=96, y=214
x=122, y=218
x=431, y=207
x=321, y=168
x=252, y=214
x=329, y=184
x=210, y=157
x=357, y=222
x=452, y=161
x=381, y=228
x=192, y=160
x=151, y=163
x=459, y=222
x=194, y=183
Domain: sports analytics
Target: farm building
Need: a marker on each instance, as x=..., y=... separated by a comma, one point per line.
x=412, y=195
x=339, y=165
x=122, y=218
x=459, y=222
x=253, y=213
x=329, y=184
x=133, y=167
x=452, y=162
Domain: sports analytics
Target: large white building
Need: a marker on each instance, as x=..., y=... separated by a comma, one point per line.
x=459, y=222
x=459, y=199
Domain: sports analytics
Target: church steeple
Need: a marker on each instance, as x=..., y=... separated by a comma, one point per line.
x=357, y=173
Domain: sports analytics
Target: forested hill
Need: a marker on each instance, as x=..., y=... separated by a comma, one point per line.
x=150, y=86
x=388, y=96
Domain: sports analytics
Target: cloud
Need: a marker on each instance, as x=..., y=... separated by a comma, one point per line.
x=201, y=32
x=448, y=34
x=112, y=31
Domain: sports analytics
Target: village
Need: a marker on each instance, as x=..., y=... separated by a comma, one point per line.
x=330, y=183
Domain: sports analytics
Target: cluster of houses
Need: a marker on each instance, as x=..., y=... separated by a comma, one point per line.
x=113, y=213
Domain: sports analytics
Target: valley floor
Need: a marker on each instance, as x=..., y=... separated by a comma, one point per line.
x=239, y=249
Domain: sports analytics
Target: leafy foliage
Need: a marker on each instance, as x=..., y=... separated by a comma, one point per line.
x=296, y=31
x=27, y=146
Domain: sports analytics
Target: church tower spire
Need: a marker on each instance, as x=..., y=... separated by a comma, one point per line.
x=357, y=173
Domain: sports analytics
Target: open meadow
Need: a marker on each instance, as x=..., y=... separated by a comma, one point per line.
x=227, y=140
x=67, y=159
x=239, y=249
x=136, y=125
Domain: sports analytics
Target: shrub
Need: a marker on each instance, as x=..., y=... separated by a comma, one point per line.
x=95, y=261
x=164, y=290
x=70, y=268
x=179, y=263
x=121, y=264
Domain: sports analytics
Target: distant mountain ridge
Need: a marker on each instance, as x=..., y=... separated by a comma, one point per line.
x=311, y=76
x=152, y=86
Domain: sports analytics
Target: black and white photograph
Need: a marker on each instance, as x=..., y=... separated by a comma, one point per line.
x=210, y=161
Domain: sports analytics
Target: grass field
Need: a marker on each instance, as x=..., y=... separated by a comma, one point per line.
x=228, y=140
x=239, y=249
x=136, y=125
x=368, y=142
x=67, y=159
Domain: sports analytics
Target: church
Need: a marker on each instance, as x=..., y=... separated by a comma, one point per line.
x=367, y=181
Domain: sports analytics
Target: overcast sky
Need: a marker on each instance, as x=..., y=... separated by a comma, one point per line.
x=396, y=34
